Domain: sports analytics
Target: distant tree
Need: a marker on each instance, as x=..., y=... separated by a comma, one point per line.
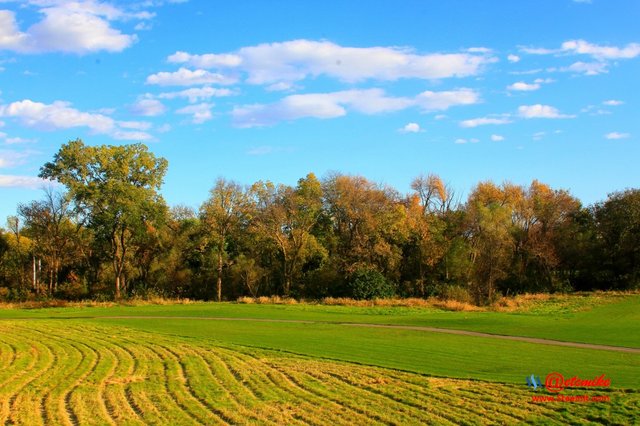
x=489, y=217
x=540, y=216
x=222, y=216
x=49, y=223
x=369, y=224
x=287, y=216
x=617, y=222
x=115, y=189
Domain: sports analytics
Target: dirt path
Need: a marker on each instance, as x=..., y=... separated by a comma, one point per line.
x=404, y=327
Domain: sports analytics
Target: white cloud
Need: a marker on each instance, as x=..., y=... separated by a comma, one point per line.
x=28, y=182
x=438, y=101
x=540, y=111
x=528, y=87
x=296, y=60
x=186, y=77
x=10, y=158
x=522, y=86
x=598, y=52
x=199, y=112
x=616, y=135
x=68, y=26
x=475, y=122
x=410, y=128
x=538, y=136
x=513, y=58
x=148, y=108
x=130, y=136
x=460, y=141
x=582, y=47
x=612, y=102
x=60, y=115
x=497, y=138
x=587, y=68
x=527, y=72
x=197, y=94
x=16, y=140
x=208, y=60
x=335, y=104
x=143, y=26
x=538, y=50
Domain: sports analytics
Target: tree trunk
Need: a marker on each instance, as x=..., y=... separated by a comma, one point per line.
x=219, y=278
x=117, y=287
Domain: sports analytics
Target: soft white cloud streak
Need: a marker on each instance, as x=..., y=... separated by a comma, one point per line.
x=540, y=111
x=148, y=108
x=295, y=60
x=617, y=135
x=336, y=104
x=187, y=77
x=482, y=121
x=61, y=115
x=197, y=94
x=523, y=87
x=27, y=182
x=200, y=113
x=410, y=128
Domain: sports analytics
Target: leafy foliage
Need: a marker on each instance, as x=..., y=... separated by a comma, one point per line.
x=340, y=236
x=367, y=284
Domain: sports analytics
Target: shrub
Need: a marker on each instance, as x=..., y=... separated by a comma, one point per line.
x=369, y=284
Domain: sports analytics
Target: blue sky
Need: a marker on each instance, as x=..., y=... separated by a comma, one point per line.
x=253, y=90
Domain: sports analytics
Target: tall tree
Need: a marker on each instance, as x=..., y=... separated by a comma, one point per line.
x=489, y=216
x=287, y=217
x=222, y=216
x=618, y=230
x=115, y=190
x=49, y=224
x=369, y=224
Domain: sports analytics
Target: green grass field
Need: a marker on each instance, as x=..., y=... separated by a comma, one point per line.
x=176, y=364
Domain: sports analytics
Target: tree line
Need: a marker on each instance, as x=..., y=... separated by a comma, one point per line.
x=110, y=234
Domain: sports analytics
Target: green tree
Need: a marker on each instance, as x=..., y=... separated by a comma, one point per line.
x=223, y=215
x=489, y=217
x=617, y=223
x=115, y=190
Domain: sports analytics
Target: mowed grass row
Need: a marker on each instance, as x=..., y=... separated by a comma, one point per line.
x=600, y=318
x=72, y=372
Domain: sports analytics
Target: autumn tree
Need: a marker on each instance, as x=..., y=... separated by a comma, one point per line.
x=368, y=223
x=489, y=224
x=431, y=237
x=287, y=216
x=115, y=189
x=49, y=223
x=222, y=216
x=540, y=216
